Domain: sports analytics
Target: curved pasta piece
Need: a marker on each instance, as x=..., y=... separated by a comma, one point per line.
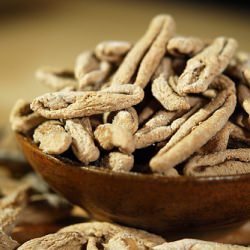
x=64, y=105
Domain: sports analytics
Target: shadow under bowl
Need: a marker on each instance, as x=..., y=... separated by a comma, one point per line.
x=155, y=203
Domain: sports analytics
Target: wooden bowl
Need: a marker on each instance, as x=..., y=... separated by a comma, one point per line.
x=155, y=203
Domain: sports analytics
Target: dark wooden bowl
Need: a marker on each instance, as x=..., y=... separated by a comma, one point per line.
x=155, y=203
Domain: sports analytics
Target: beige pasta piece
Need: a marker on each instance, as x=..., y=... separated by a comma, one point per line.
x=104, y=232
x=219, y=142
x=127, y=69
x=22, y=118
x=198, y=129
x=125, y=241
x=161, y=126
x=56, y=78
x=83, y=144
x=244, y=97
x=119, y=162
x=57, y=241
x=93, y=79
x=192, y=244
x=65, y=105
x=107, y=117
x=226, y=87
x=85, y=63
x=172, y=172
x=92, y=244
x=9, y=217
x=145, y=138
x=6, y=243
x=110, y=136
x=11, y=208
x=202, y=69
x=126, y=89
x=112, y=51
x=164, y=68
x=246, y=74
x=169, y=99
x=161, y=118
x=127, y=119
x=227, y=162
x=155, y=53
x=184, y=46
x=242, y=57
x=155, y=129
x=52, y=129
x=172, y=82
x=209, y=93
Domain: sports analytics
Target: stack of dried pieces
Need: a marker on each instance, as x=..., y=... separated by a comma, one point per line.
x=182, y=101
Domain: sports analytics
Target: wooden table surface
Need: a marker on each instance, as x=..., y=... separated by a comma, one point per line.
x=53, y=34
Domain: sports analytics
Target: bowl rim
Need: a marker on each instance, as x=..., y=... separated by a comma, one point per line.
x=133, y=175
